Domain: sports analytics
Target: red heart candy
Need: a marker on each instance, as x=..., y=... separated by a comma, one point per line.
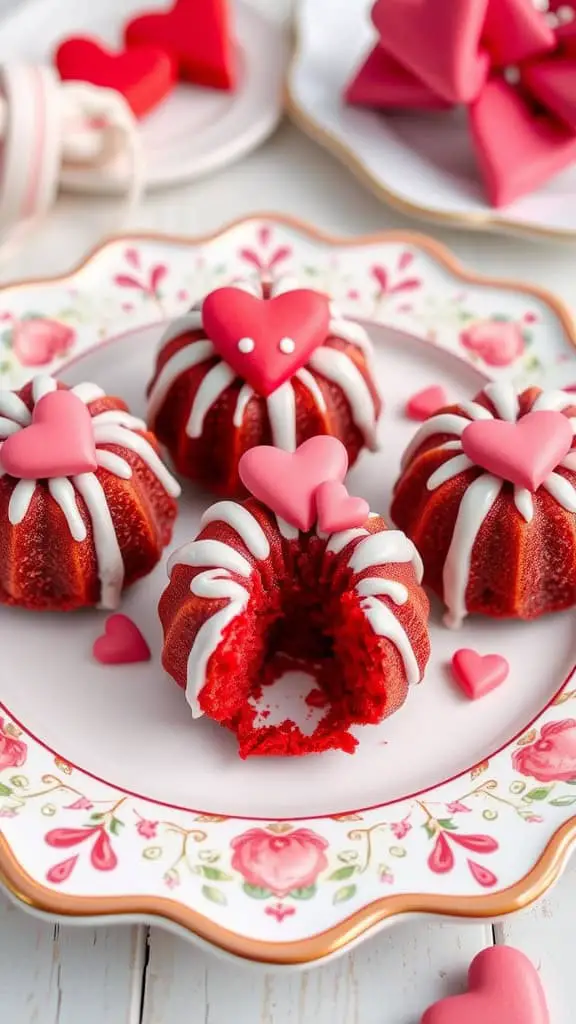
x=266, y=340
x=197, y=34
x=59, y=441
x=478, y=674
x=144, y=75
x=121, y=643
x=426, y=402
x=525, y=452
x=504, y=988
x=287, y=482
x=338, y=510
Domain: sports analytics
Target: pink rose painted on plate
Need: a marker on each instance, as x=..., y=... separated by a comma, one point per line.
x=279, y=863
x=12, y=750
x=497, y=342
x=552, y=758
x=37, y=341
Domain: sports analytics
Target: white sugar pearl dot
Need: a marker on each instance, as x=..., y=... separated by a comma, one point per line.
x=287, y=346
x=246, y=345
x=565, y=14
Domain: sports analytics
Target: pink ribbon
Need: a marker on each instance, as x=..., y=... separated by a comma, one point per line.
x=510, y=62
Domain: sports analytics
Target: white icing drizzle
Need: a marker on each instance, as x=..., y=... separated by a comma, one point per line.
x=311, y=384
x=353, y=333
x=42, y=385
x=569, y=461
x=374, y=586
x=212, y=554
x=115, y=464
x=445, y=423
x=450, y=446
x=110, y=565
x=112, y=434
x=65, y=496
x=12, y=406
x=337, y=367
x=215, y=584
x=524, y=503
x=474, y=507
x=281, y=406
x=20, y=501
x=338, y=541
x=448, y=470
x=244, y=396
x=182, y=360
x=243, y=522
x=475, y=411
x=553, y=400
x=385, y=624
x=88, y=393
x=8, y=427
x=213, y=385
x=190, y=321
x=287, y=530
x=504, y=398
x=561, y=490
x=386, y=548
x=120, y=418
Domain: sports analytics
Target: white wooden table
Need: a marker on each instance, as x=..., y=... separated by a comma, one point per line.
x=123, y=975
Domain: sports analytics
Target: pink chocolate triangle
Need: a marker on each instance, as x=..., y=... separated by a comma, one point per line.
x=383, y=82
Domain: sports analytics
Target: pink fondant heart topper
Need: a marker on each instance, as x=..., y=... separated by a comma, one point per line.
x=266, y=341
x=525, y=452
x=58, y=442
x=287, y=482
x=503, y=988
x=339, y=510
x=478, y=674
x=121, y=643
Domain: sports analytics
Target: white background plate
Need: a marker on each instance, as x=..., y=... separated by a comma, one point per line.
x=195, y=130
x=422, y=163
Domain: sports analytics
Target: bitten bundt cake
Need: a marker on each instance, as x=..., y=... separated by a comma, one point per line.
x=86, y=505
x=487, y=494
x=300, y=573
x=260, y=364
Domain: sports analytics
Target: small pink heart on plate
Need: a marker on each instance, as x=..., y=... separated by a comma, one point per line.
x=287, y=482
x=426, y=402
x=121, y=643
x=478, y=674
x=525, y=452
x=503, y=988
x=266, y=341
x=58, y=442
x=338, y=510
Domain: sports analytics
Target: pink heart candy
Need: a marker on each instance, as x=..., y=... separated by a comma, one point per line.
x=525, y=452
x=287, y=482
x=503, y=988
x=426, y=402
x=58, y=442
x=338, y=510
x=121, y=643
x=266, y=341
x=478, y=674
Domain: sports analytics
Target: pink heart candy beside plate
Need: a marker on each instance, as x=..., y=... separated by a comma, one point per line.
x=525, y=452
x=58, y=442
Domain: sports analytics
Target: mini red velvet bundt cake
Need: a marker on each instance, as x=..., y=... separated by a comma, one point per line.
x=260, y=364
x=487, y=493
x=86, y=505
x=278, y=579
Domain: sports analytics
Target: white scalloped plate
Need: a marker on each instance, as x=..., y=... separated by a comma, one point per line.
x=422, y=164
x=275, y=863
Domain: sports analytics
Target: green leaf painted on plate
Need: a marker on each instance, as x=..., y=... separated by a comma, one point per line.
x=214, y=895
x=563, y=801
x=115, y=826
x=5, y=790
x=256, y=892
x=540, y=793
x=214, y=874
x=448, y=824
x=343, y=894
x=341, y=874
x=305, y=893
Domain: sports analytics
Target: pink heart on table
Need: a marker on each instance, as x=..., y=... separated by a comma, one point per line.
x=121, y=643
x=503, y=988
x=287, y=482
x=266, y=341
x=525, y=452
x=426, y=402
x=58, y=442
x=337, y=509
x=478, y=674
x=438, y=42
